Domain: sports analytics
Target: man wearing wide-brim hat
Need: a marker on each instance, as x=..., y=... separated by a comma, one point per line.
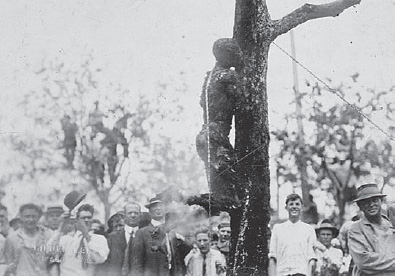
x=329, y=258
x=370, y=239
x=146, y=258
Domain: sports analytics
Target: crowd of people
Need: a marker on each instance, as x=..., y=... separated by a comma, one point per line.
x=365, y=246
x=160, y=243
x=65, y=243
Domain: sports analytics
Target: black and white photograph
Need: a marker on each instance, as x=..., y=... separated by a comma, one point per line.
x=197, y=138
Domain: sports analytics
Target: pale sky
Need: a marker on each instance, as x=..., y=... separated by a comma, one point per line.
x=139, y=43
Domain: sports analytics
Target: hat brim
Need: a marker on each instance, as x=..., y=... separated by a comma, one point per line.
x=369, y=196
x=335, y=231
x=152, y=203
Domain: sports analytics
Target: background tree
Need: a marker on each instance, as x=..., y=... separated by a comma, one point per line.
x=338, y=150
x=254, y=30
x=127, y=157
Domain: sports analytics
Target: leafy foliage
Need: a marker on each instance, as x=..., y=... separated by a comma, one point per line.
x=339, y=148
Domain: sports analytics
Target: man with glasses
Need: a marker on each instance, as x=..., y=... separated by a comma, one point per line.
x=371, y=239
x=80, y=248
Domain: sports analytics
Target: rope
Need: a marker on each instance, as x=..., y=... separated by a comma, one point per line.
x=336, y=93
x=208, y=141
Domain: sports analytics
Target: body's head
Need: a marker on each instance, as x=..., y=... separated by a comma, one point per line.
x=15, y=223
x=30, y=215
x=53, y=216
x=228, y=53
x=202, y=237
x=293, y=204
x=132, y=214
x=85, y=214
x=369, y=199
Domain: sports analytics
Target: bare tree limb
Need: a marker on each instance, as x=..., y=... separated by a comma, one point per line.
x=308, y=12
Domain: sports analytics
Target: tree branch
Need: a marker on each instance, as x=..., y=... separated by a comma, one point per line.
x=308, y=12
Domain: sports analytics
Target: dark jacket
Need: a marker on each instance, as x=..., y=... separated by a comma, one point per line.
x=147, y=259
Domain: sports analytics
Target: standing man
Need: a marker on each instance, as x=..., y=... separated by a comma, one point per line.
x=147, y=259
x=4, y=226
x=206, y=261
x=120, y=242
x=371, y=240
x=26, y=247
x=224, y=239
x=81, y=249
x=292, y=243
x=329, y=258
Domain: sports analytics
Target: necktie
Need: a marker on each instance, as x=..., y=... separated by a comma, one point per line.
x=84, y=254
x=204, y=265
x=125, y=265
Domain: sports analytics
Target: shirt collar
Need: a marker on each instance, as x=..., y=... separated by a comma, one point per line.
x=130, y=229
x=156, y=223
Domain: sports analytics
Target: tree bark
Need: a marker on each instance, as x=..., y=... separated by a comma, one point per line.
x=254, y=31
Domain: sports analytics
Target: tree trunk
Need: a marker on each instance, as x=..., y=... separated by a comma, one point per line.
x=249, y=224
x=255, y=31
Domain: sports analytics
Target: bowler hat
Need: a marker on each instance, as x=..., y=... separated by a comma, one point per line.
x=368, y=191
x=72, y=199
x=152, y=201
x=326, y=224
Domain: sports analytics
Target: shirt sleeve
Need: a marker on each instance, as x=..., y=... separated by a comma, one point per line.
x=273, y=243
x=365, y=259
x=97, y=249
x=311, y=241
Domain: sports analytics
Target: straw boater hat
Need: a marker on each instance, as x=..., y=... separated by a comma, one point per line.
x=326, y=224
x=54, y=209
x=152, y=201
x=368, y=191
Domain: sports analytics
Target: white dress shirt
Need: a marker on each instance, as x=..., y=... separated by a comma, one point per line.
x=292, y=245
x=129, y=230
x=71, y=263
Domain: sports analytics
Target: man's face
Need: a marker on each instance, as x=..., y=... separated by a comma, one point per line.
x=294, y=207
x=371, y=207
x=157, y=211
x=224, y=234
x=30, y=218
x=86, y=217
x=325, y=236
x=53, y=220
x=132, y=215
x=203, y=242
x=118, y=225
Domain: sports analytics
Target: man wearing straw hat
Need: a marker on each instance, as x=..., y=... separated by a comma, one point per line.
x=370, y=239
x=329, y=258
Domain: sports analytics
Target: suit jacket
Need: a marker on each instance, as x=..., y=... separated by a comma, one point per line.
x=179, y=249
x=147, y=258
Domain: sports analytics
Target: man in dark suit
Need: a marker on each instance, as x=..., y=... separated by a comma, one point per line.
x=120, y=242
x=147, y=257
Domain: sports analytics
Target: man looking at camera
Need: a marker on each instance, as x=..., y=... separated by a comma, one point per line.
x=371, y=240
x=292, y=243
x=81, y=249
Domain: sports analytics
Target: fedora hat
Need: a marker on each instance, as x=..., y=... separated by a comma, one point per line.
x=368, y=191
x=152, y=201
x=326, y=224
x=72, y=199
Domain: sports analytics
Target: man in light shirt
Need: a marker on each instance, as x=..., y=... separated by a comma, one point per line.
x=80, y=249
x=292, y=243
